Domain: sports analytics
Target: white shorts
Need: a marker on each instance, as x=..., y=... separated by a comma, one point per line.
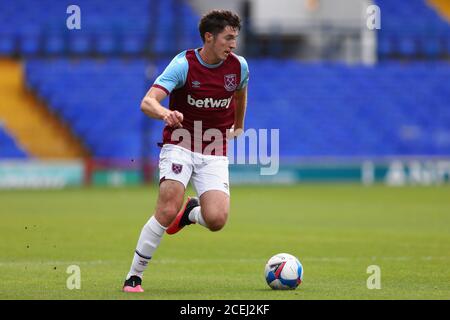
x=206, y=172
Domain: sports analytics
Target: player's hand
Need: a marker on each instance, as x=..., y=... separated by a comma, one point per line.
x=233, y=133
x=174, y=119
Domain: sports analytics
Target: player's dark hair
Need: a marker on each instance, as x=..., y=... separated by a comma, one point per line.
x=216, y=21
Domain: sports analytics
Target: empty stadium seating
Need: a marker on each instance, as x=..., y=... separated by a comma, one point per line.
x=100, y=100
x=412, y=29
x=107, y=27
x=8, y=147
x=320, y=109
x=332, y=109
x=114, y=27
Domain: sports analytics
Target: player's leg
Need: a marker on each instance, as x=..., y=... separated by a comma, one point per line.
x=175, y=171
x=210, y=180
x=213, y=209
x=170, y=200
x=182, y=219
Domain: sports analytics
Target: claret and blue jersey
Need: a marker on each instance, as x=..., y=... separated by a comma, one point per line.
x=203, y=92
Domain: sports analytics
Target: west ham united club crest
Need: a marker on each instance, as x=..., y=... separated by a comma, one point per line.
x=176, y=168
x=230, y=82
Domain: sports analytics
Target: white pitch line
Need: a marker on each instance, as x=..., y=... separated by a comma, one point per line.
x=50, y=263
x=214, y=261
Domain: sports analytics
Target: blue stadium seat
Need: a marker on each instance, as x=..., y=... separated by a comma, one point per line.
x=407, y=46
x=105, y=43
x=431, y=47
x=9, y=149
x=80, y=42
x=54, y=43
x=7, y=45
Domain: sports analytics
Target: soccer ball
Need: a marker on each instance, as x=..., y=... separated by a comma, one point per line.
x=283, y=272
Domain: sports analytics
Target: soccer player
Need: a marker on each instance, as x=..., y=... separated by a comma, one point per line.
x=208, y=98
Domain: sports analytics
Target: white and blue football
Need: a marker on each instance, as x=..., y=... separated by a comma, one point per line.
x=283, y=271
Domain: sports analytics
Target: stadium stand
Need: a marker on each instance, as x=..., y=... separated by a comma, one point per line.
x=412, y=30
x=330, y=109
x=29, y=121
x=8, y=147
x=341, y=110
x=108, y=27
x=109, y=125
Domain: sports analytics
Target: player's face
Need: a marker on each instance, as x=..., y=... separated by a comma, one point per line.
x=225, y=42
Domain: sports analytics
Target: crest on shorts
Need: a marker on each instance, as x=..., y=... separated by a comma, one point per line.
x=176, y=168
x=230, y=82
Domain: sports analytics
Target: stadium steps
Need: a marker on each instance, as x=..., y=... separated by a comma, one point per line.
x=442, y=6
x=28, y=120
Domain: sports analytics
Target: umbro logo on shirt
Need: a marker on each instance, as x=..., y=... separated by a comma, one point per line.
x=195, y=84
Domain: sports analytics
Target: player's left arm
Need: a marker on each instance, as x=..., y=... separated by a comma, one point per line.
x=240, y=100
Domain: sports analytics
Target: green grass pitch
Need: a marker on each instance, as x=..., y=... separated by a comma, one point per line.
x=337, y=231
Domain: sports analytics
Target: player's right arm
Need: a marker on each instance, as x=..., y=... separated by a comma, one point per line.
x=151, y=106
x=173, y=77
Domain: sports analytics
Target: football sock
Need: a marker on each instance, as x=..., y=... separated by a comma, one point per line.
x=149, y=240
x=196, y=216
